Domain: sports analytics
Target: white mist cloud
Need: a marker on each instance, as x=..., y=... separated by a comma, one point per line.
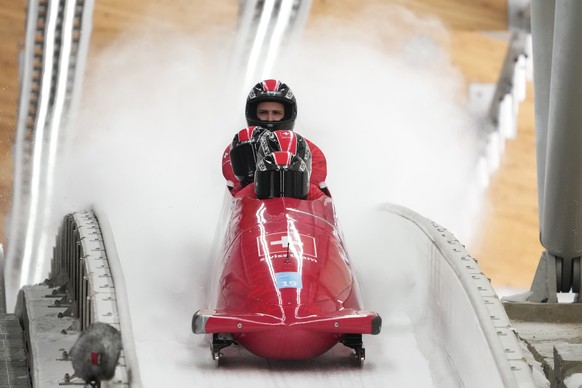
x=147, y=150
x=379, y=95
x=382, y=100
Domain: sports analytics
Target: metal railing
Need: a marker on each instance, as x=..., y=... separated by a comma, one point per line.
x=497, y=106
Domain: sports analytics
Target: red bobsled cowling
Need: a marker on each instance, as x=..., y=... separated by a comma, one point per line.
x=285, y=285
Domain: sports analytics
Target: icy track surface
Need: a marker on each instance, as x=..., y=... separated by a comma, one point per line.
x=157, y=115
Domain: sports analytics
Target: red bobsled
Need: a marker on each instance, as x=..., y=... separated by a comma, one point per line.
x=285, y=287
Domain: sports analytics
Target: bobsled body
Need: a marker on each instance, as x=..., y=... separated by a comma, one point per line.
x=285, y=285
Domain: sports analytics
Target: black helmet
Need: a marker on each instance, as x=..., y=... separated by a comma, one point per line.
x=281, y=174
x=283, y=140
x=272, y=90
x=243, y=153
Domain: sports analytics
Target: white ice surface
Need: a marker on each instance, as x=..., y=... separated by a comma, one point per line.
x=390, y=358
x=573, y=381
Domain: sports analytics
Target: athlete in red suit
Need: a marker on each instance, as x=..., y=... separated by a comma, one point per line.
x=272, y=105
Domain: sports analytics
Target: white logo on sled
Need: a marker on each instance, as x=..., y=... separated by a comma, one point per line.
x=272, y=245
x=285, y=240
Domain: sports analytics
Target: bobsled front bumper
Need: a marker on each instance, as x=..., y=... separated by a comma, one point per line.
x=343, y=322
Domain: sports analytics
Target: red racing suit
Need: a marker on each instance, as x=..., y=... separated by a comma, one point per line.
x=318, y=169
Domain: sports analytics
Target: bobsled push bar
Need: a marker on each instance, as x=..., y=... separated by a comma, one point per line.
x=348, y=321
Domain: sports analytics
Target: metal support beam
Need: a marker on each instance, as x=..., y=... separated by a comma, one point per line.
x=542, y=14
x=544, y=287
x=562, y=185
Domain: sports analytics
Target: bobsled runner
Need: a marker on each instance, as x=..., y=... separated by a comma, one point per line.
x=284, y=287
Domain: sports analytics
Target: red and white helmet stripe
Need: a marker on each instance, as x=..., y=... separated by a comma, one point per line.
x=246, y=134
x=271, y=85
x=282, y=158
x=287, y=141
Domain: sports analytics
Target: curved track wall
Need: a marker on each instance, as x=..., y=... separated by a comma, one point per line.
x=464, y=315
x=86, y=255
